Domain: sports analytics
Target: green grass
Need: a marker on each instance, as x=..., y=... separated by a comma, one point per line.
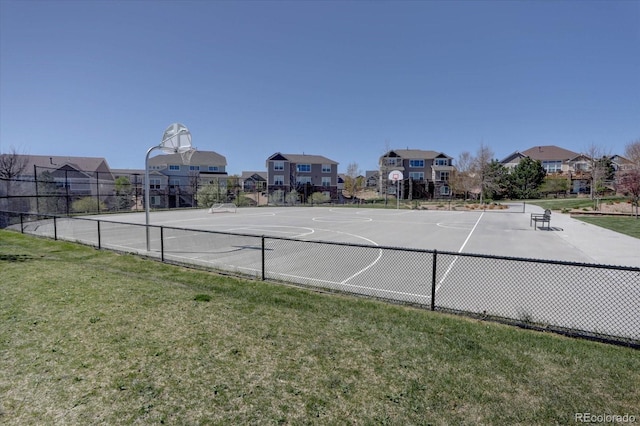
x=569, y=203
x=89, y=336
x=625, y=225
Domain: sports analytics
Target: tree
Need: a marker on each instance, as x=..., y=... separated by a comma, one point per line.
x=632, y=153
x=629, y=184
x=123, y=193
x=496, y=180
x=601, y=170
x=319, y=198
x=88, y=205
x=526, y=178
x=464, y=178
x=276, y=197
x=211, y=194
x=12, y=165
x=554, y=185
x=483, y=171
x=233, y=186
x=353, y=181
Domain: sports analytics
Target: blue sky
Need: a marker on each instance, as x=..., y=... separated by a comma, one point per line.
x=343, y=79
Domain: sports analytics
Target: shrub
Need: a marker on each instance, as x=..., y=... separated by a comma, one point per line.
x=88, y=205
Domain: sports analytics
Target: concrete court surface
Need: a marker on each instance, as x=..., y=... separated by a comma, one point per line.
x=495, y=232
x=590, y=299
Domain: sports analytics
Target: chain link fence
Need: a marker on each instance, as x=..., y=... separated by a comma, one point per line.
x=600, y=302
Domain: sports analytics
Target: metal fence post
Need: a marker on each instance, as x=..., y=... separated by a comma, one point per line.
x=55, y=229
x=162, y=243
x=433, y=280
x=21, y=223
x=263, y=257
x=99, y=237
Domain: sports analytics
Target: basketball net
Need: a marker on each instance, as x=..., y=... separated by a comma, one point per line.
x=186, y=155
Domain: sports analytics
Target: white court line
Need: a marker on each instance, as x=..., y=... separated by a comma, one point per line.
x=444, y=277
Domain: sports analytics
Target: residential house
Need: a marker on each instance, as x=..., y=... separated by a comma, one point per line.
x=425, y=174
x=557, y=162
x=253, y=181
x=175, y=184
x=372, y=178
x=622, y=164
x=302, y=173
x=61, y=180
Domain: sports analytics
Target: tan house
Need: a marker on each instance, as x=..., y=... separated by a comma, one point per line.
x=557, y=162
x=425, y=174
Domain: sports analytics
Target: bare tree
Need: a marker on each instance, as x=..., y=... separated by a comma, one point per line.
x=632, y=153
x=353, y=182
x=600, y=170
x=464, y=179
x=629, y=183
x=481, y=168
x=12, y=165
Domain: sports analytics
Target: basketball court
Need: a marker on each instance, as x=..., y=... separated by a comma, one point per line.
x=494, y=232
x=383, y=256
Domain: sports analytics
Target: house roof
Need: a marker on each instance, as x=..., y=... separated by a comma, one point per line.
x=550, y=152
x=57, y=162
x=415, y=154
x=199, y=158
x=302, y=158
x=254, y=175
x=513, y=158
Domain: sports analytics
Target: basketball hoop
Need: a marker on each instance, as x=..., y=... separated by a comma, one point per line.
x=176, y=139
x=396, y=175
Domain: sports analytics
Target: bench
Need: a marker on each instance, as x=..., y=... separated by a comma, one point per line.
x=541, y=218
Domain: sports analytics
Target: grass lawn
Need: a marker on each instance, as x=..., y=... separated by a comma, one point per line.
x=569, y=203
x=91, y=336
x=625, y=225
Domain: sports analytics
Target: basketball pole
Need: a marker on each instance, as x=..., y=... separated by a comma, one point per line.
x=175, y=130
x=147, y=197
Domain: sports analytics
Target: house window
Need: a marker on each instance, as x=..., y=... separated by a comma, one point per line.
x=552, y=166
x=154, y=183
x=444, y=176
x=278, y=165
x=213, y=168
x=326, y=168
x=278, y=180
x=302, y=168
x=581, y=167
x=393, y=162
x=155, y=200
x=416, y=163
x=174, y=167
x=444, y=190
x=442, y=162
x=174, y=183
x=194, y=168
x=302, y=180
x=416, y=176
x=326, y=181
